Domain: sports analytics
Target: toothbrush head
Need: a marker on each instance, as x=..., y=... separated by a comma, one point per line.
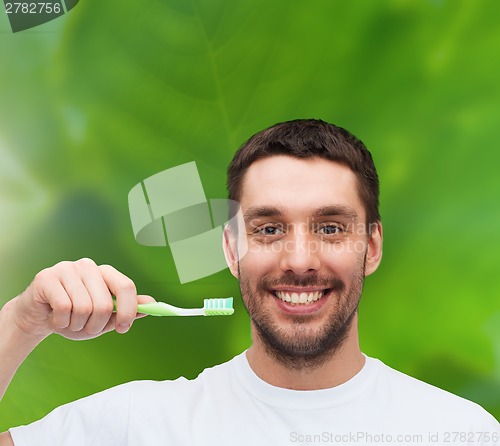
x=218, y=307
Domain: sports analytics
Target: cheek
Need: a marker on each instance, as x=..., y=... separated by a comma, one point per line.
x=344, y=258
x=258, y=261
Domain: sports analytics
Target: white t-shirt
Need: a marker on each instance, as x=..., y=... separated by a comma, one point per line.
x=230, y=405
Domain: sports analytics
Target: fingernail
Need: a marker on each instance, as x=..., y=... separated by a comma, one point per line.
x=123, y=328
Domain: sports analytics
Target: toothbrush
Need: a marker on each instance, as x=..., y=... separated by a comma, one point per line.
x=211, y=307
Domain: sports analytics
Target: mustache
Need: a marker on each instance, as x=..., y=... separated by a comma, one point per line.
x=293, y=280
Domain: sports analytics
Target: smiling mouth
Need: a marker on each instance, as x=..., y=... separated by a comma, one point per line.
x=304, y=298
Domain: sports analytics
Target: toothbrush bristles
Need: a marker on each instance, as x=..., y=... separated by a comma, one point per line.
x=218, y=306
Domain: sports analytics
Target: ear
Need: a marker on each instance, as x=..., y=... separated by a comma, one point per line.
x=229, y=245
x=374, y=252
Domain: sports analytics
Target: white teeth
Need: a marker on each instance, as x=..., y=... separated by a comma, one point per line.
x=302, y=298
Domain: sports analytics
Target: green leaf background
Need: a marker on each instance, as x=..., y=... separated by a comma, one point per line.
x=113, y=92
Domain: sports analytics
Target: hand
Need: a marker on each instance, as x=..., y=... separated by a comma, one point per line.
x=74, y=300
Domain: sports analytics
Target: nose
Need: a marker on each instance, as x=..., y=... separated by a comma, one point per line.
x=300, y=253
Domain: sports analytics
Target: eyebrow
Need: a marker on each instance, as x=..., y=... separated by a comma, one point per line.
x=336, y=210
x=326, y=211
x=262, y=211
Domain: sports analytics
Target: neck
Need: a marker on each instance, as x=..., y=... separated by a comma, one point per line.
x=339, y=367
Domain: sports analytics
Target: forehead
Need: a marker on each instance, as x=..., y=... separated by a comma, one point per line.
x=299, y=185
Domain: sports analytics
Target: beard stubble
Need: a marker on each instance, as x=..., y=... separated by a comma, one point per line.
x=303, y=347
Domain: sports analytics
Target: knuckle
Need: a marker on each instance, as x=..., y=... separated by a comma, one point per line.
x=104, y=307
x=65, y=264
x=82, y=309
x=62, y=306
x=59, y=270
x=107, y=269
x=85, y=262
x=43, y=275
x=126, y=316
x=127, y=285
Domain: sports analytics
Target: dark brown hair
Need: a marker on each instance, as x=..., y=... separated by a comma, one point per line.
x=305, y=138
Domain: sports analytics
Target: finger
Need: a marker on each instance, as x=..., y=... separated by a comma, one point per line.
x=142, y=299
x=102, y=301
x=110, y=325
x=126, y=296
x=81, y=302
x=61, y=306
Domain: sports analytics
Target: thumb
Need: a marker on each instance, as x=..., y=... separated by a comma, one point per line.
x=144, y=299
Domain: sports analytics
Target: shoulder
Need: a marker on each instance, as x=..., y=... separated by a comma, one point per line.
x=209, y=378
x=428, y=401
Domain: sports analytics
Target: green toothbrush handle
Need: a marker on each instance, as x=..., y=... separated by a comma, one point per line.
x=155, y=309
x=152, y=309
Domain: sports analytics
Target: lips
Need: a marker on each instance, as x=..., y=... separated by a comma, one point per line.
x=300, y=297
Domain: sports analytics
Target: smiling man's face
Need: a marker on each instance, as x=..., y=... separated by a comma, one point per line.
x=308, y=253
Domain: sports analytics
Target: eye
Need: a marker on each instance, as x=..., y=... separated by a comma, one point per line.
x=330, y=229
x=269, y=230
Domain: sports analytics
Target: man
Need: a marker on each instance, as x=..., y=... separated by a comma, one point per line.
x=311, y=232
